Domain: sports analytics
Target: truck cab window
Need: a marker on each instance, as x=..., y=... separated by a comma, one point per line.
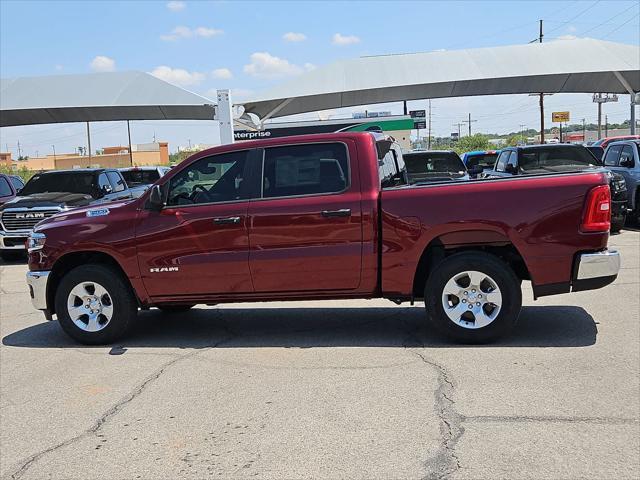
x=116, y=181
x=214, y=179
x=502, y=160
x=392, y=169
x=305, y=170
x=612, y=156
x=626, y=156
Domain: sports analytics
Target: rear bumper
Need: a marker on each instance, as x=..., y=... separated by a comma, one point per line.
x=37, y=282
x=591, y=270
x=13, y=240
x=595, y=270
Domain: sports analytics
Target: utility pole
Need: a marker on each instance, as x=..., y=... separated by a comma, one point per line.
x=54, y=154
x=540, y=37
x=469, y=121
x=459, y=124
x=584, y=130
x=129, y=135
x=19, y=151
x=606, y=125
x=89, y=140
x=599, y=116
x=522, y=125
x=429, y=135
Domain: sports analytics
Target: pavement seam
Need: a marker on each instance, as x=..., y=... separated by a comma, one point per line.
x=112, y=411
x=445, y=461
x=552, y=419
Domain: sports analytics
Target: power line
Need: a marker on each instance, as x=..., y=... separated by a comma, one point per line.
x=619, y=27
x=573, y=18
x=608, y=20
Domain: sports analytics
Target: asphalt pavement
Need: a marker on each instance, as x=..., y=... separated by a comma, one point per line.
x=323, y=390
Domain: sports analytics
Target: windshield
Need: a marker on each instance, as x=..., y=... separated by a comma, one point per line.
x=486, y=160
x=434, y=164
x=67, y=182
x=140, y=177
x=556, y=159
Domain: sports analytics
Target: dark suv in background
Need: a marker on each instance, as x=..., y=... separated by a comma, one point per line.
x=559, y=158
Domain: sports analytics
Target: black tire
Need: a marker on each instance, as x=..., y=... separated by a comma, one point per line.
x=12, y=255
x=175, y=308
x=617, y=223
x=122, y=298
x=489, y=265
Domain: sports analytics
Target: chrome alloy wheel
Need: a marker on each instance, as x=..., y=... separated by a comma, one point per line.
x=90, y=306
x=471, y=299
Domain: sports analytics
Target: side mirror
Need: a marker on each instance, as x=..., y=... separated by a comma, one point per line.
x=156, y=199
x=106, y=189
x=626, y=163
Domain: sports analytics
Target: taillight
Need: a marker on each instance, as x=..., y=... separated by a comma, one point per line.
x=597, y=210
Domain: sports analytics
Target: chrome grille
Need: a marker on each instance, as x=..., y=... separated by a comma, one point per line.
x=24, y=220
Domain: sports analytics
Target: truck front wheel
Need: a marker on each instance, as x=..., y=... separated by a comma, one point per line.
x=94, y=305
x=473, y=297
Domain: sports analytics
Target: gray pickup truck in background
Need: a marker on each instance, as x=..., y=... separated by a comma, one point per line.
x=48, y=193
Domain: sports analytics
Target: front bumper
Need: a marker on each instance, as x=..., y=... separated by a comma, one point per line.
x=37, y=282
x=596, y=270
x=13, y=240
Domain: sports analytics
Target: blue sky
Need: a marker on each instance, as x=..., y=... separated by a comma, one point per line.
x=244, y=46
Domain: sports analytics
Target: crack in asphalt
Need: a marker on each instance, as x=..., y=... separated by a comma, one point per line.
x=552, y=419
x=445, y=461
x=24, y=466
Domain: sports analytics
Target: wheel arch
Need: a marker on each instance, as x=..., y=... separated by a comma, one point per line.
x=72, y=260
x=486, y=241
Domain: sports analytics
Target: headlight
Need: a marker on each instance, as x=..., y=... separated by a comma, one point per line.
x=36, y=241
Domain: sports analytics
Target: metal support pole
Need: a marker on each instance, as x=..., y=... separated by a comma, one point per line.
x=429, y=134
x=542, y=118
x=89, y=140
x=632, y=127
x=225, y=116
x=599, y=120
x=129, y=134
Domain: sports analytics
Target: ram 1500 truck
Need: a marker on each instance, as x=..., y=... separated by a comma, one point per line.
x=322, y=217
x=48, y=193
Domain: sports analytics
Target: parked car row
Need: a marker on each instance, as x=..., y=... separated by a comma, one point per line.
x=47, y=193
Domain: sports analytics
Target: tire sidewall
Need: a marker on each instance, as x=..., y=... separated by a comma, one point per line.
x=124, y=305
x=490, y=265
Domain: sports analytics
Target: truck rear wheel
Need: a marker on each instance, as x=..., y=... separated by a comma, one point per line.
x=94, y=305
x=473, y=297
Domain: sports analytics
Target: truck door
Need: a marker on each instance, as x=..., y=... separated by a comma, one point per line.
x=305, y=230
x=198, y=243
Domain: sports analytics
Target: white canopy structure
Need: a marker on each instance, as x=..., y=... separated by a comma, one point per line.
x=564, y=66
x=97, y=97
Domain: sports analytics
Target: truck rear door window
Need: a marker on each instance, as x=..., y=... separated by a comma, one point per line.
x=309, y=169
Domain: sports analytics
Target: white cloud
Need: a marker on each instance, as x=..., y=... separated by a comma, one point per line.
x=103, y=64
x=176, y=6
x=185, y=32
x=223, y=73
x=309, y=66
x=265, y=65
x=294, y=37
x=567, y=37
x=178, y=76
x=339, y=39
x=207, y=32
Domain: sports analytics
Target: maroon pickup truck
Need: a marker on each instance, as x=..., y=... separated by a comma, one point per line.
x=322, y=217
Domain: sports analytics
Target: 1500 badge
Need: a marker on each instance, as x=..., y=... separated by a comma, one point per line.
x=164, y=269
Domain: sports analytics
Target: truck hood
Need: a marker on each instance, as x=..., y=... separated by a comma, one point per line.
x=50, y=199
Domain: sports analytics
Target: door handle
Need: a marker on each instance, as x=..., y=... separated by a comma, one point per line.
x=343, y=212
x=226, y=220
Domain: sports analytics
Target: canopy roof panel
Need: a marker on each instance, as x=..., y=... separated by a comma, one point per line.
x=97, y=97
x=565, y=66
